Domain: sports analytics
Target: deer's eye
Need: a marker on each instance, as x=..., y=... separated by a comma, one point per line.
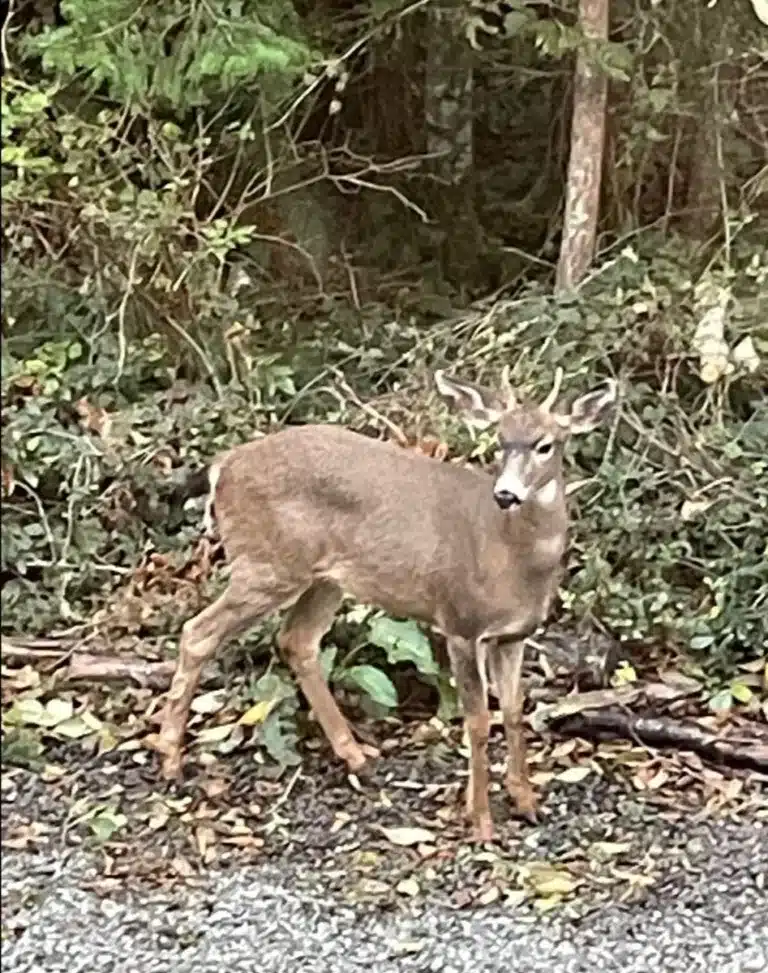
x=544, y=447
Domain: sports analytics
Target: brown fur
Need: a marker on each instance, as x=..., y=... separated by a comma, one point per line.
x=312, y=512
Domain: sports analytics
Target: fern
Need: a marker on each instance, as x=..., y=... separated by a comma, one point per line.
x=176, y=52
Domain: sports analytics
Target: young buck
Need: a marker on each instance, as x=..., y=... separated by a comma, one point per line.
x=311, y=512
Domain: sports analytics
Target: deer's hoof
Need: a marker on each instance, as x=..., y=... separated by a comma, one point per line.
x=525, y=800
x=482, y=829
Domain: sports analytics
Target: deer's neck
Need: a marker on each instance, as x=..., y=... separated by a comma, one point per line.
x=541, y=526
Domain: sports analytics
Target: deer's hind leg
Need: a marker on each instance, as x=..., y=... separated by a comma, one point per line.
x=254, y=592
x=303, y=627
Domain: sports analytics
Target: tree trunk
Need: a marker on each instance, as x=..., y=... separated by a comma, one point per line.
x=582, y=201
x=448, y=102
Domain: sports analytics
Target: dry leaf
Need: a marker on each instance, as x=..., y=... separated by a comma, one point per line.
x=745, y=354
x=215, y=734
x=182, y=867
x=489, y=896
x=573, y=775
x=205, y=837
x=208, y=703
x=159, y=817
x=407, y=837
x=709, y=338
x=94, y=418
x=515, y=897
x=408, y=886
x=692, y=508
x=609, y=849
x=546, y=880
x=563, y=749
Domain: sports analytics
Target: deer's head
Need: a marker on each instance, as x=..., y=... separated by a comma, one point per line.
x=531, y=437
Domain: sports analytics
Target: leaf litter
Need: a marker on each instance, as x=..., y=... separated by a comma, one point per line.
x=90, y=779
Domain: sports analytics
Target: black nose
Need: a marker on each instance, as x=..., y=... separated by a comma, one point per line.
x=505, y=499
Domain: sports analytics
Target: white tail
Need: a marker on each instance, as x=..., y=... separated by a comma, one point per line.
x=311, y=512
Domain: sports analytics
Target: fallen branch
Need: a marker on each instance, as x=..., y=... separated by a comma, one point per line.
x=105, y=668
x=32, y=650
x=663, y=733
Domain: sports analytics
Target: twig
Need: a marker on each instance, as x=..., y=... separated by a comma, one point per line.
x=398, y=433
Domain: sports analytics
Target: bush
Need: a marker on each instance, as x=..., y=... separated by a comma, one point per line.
x=670, y=534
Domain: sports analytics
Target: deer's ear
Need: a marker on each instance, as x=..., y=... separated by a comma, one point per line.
x=592, y=409
x=478, y=404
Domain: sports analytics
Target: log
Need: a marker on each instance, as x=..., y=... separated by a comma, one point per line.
x=105, y=668
x=663, y=733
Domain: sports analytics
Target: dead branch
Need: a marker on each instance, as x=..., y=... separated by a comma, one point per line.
x=663, y=733
x=33, y=650
x=104, y=668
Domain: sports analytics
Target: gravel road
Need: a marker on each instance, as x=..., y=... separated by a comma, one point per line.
x=713, y=918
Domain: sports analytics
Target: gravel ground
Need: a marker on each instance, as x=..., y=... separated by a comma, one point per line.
x=713, y=917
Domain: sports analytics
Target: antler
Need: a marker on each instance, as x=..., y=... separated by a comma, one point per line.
x=506, y=388
x=552, y=397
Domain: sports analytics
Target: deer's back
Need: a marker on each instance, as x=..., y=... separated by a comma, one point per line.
x=408, y=533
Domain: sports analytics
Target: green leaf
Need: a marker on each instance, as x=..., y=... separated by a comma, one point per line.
x=27, y=711
x=279, y=739
x=721, y=701
x=741, y=692
x=373, y=682
x=403, y=642
x=107, y=823
x=73, y=728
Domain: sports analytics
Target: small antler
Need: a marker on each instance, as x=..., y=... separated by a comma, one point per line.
x=507, y=389
x=552, y=397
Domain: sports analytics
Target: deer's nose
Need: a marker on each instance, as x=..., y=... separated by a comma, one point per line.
x=506, y=499
x=508, y=491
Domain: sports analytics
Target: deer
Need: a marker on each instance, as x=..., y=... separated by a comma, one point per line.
x=310, y=513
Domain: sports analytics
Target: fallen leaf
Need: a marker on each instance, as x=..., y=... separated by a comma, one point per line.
x=546, y=880
x=745, y=354
x=257, y=713
x=106, y=823
x=609, y=849
x=58, y=710
x=489, y=896
x=215, y=734
x=407, y=837
x=159, y=817
x=547, y=903
x=182, y=867
x=563, y=749
x=409, y=887
x=205, y=837
x=573, y=775
x=372, y=886
x=27, y=710
x=741, y=692
x=515, y=897
x=73, y=729
x=215, y=787
x=624, y=674
x=208, y=703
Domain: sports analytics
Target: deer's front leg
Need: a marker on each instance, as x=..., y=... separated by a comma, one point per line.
x=471, y=684
x=506, y=659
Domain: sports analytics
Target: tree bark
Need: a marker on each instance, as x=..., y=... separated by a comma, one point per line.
x=582, y=200
x=448, y=104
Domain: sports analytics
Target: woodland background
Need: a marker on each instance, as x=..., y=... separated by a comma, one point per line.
x=223, y=215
